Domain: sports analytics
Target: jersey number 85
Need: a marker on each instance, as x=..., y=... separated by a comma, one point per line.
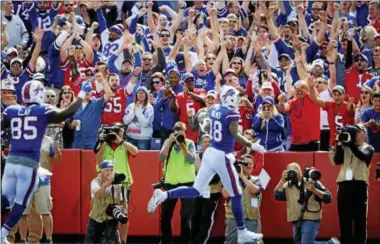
x=22, y=128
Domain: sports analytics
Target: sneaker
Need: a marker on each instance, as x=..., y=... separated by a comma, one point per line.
x=157, y=198
x=246, y=236
x=4, y=240
x=48, y=241
x=334, y=240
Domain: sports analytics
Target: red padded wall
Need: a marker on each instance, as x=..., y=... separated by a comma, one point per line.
x=66, y=193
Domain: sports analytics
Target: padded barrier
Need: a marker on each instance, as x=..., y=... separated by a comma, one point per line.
x=72, y=203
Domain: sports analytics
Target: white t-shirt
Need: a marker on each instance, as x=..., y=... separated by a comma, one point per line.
x=326, y=96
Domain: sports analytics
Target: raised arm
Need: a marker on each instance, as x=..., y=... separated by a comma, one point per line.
x=331, y=58
x=67, y=44
x=37, y=37
x=173, y=28
x=151, y=25
x=314, y=92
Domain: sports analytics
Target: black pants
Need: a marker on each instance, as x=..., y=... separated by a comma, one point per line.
x=312, y=146
x=325, y=140
x=187, y=205
x=203, y=218
x=352, y=207
x=165, y=133
x=103, y=233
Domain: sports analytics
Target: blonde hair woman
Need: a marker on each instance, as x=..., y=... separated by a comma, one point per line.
x=269, y=126
x=364, y=102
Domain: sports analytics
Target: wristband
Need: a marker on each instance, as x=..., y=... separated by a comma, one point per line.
x=331, y=63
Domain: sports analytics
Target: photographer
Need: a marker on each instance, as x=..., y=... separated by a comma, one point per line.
x=178, y=153
x=354, y=157
x=112, y=147
x=108, y=206
x=251, y=196
x=205, y=206
x=304, y=195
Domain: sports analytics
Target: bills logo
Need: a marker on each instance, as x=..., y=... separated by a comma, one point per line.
x=38, y=89
x=230, y=92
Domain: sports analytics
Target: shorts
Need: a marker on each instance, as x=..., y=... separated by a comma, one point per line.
x=42, y=200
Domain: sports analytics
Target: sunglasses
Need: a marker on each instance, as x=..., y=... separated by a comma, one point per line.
x=156, y=81
x=233, y=21
x=163, y=36
x=321, y=82
x=50, y=96
x=209, y=58
x=236, y=63
x=146, y=59
x=365, y=92
x=316, y=9
x=284, y=60
x=69, y=4
x=189, y=80
x=16, y=65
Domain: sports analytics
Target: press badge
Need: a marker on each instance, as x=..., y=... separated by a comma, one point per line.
x=207, y=193
x=255, y=202
x=349, y=174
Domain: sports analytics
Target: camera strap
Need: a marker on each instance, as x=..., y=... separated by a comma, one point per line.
x=113, y=193
x=167, y=158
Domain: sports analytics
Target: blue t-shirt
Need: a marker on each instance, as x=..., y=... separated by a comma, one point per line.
x=373, y=137
x=220, y=135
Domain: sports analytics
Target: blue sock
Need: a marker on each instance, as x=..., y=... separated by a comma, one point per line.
x=183, y=192
x=14, y=216
x=237, y=211
x=5, y=205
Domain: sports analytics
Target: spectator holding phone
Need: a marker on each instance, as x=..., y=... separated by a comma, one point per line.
x=269, y=126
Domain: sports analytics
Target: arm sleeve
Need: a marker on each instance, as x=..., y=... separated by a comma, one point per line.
x=339, y=155
x=129, y=114
x=364, y=154
x=191, y=157
x=145, y=119
x=133, y=25
x=311, y=51
x=101, y=20
x=112, y=65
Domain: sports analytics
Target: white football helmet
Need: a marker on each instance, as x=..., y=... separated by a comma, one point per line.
x=33, y=92
x=229, y=97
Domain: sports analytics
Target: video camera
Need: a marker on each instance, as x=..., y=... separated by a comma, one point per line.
x=118, y=178
x=114, y=211
x=239, y=162
x=312, y=174
x=108, y=133
x=347, y=134
x=292, y=177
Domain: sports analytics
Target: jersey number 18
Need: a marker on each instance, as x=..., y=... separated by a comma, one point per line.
x=216, y=130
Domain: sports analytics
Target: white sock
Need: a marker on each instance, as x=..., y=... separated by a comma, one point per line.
x=4, y=232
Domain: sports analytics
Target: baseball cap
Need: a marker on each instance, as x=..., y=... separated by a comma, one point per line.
x=188, y=76
x=284, y=55
x=173, y=70
x=12, y=50
x=180, y=61
x=212, y=93
x=106, y=165
x=229, y=71
x=7, y=85
x=339, y=89
x=362, y=56
x=360, y=127
x=268, y=99
x=318, y=62
x=16, y=60
x=267, y=85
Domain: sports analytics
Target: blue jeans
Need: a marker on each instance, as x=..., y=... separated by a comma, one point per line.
x=309, y=231
x=140, y=144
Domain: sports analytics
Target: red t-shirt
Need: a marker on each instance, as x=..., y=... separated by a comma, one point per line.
x=115, y=107
x=338, y=117
x=354, y=83
x=305, y=120
x=75, y=81
x=245, y=122
x=258, y=161
x=185, y=103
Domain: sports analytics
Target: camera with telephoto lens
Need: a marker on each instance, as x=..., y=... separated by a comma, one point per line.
x=292, y=177
x=108, y=133
x=118, y=178
x=160, y=184
x=347, y=134
x=312, y=174
x=179, y=138
x=114, y=211
x=238, y=163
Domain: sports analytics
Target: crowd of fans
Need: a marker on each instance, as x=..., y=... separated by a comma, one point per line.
x=303, y=68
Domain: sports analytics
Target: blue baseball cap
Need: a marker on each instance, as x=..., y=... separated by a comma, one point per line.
x=106, y=165
x=268, y=99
